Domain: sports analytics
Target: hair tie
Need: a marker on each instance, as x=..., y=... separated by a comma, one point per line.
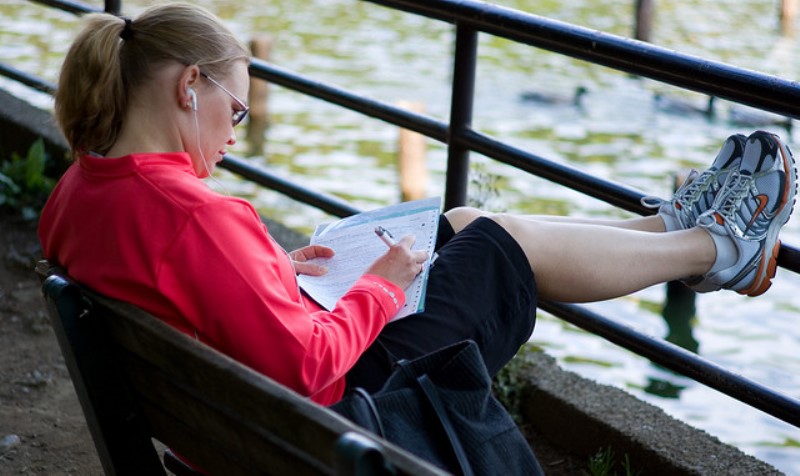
x=127, y=32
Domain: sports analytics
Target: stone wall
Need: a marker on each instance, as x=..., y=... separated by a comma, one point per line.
x=22, y=124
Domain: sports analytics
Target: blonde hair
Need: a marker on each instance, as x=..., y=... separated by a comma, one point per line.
x=101, y=70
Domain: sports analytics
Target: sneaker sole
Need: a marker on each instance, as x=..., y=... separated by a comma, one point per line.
x=768, y=265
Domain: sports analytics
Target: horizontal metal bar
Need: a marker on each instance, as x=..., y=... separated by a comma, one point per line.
x=71, y=6
x=327, y=203
x=27, y=79
x=624, y=54
x=392, y=114
x=789, y=258
x=610, y=192
x=680, y=360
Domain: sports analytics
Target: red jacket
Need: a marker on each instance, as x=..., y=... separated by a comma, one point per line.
x=144, y=229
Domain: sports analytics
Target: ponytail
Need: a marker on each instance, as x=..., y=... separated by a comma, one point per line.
x=112, y=56
x=90, y=100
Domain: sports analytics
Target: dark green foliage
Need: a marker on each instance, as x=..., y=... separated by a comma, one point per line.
x=604, y=463
x=24, y=187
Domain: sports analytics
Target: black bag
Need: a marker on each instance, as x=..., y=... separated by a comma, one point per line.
x=440, y=407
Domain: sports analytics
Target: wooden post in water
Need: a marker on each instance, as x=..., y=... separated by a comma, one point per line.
x=411, y=151
x=788, y=16
x=643, y=25
x=260, y=47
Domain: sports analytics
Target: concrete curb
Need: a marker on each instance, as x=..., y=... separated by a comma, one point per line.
x=21, y=124
x=583, y=417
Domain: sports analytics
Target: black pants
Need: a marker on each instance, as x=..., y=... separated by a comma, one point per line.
x=480, y=288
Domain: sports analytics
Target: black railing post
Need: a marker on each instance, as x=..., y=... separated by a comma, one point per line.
x=460, y=116
x=113, y=7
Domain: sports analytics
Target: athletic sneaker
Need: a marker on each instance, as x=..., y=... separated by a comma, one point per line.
x=747, y=215
x=699, y=190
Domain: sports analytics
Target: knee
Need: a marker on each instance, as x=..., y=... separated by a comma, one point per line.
x=460, y=217
x=515, y=226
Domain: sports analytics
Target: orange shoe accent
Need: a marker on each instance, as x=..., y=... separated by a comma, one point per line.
x=760, y=288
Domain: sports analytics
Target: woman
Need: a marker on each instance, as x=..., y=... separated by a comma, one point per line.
x=149, y=107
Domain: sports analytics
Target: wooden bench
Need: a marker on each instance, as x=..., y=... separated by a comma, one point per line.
x=138, y=379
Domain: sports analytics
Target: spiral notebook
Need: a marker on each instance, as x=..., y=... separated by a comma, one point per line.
x=357, y=247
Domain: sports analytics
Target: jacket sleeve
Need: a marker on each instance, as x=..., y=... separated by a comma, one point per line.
x=238, y=289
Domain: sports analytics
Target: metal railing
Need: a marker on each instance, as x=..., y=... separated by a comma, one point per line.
x=642, y=59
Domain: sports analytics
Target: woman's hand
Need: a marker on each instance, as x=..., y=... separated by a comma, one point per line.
x=400, y=264
x=300, y=258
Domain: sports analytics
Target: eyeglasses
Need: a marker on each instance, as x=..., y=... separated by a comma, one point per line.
x=238, y=115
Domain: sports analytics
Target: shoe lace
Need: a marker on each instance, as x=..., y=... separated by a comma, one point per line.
x=686, y=193
x=728, y=200
x=689, y=193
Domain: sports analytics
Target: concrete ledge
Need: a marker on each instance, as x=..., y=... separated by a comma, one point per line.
x=582, y=417
x=22, y=124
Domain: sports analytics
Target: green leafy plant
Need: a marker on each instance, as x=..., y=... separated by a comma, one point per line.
x=506, y=387
x=508, y=384
x=603, y=463
x=24, y=187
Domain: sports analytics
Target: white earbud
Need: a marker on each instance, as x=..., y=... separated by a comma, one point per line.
x=193, y=95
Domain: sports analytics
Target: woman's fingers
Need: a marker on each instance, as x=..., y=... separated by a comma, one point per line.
x=400, y=264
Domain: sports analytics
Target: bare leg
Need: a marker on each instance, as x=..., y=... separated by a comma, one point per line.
x=651, y=223
x=580, y=262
